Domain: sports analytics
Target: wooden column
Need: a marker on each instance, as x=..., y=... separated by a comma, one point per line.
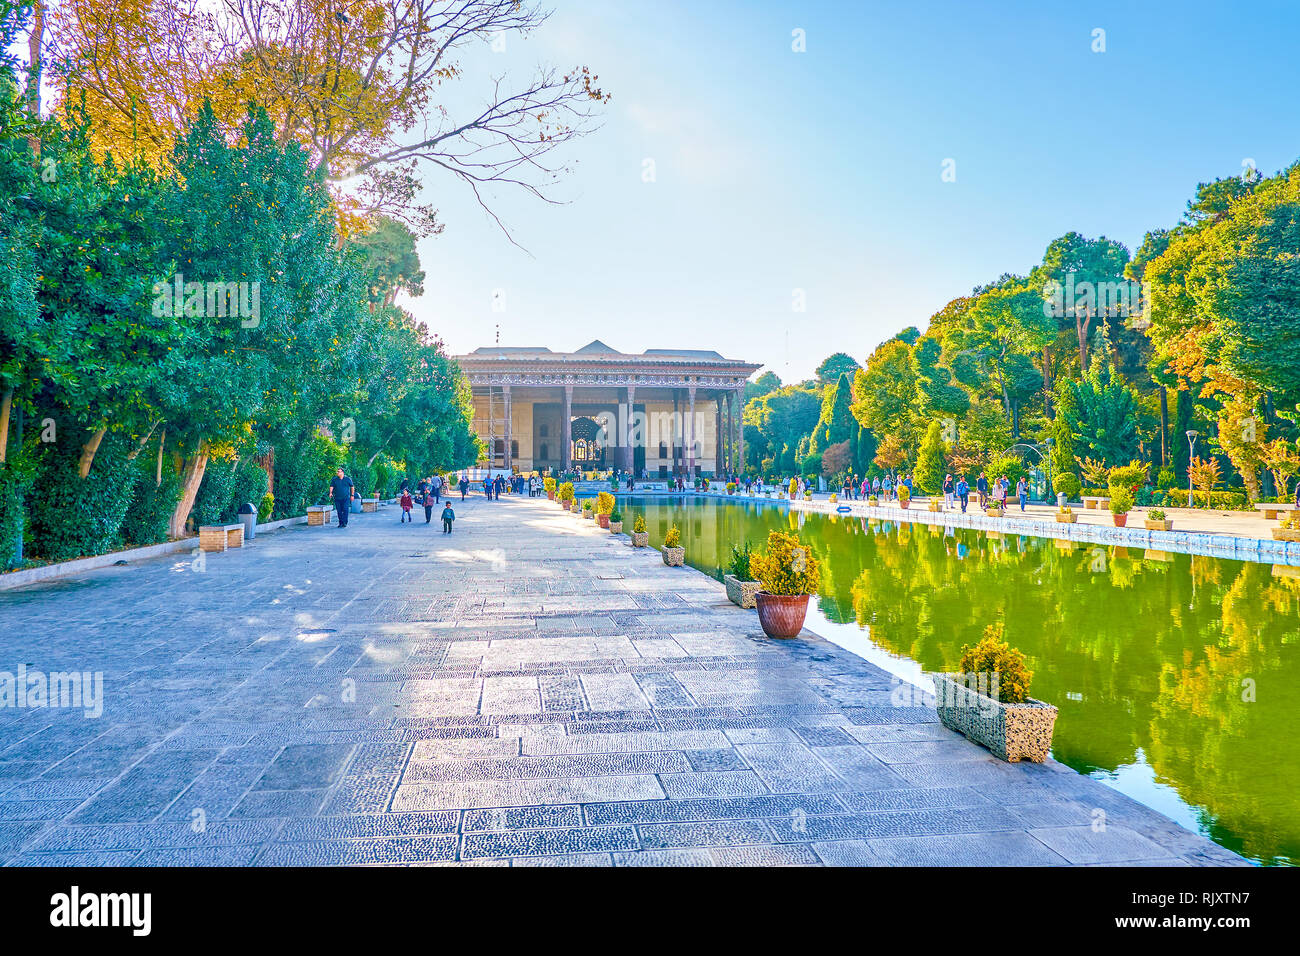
x=690, y=447
x=629, y=453
x=740, y=430
x=506, y=453
x=566, y=428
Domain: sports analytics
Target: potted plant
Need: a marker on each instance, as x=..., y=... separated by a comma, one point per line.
x=988, y=701
x=993, y=509
x=904, y=496
x=788, y=573
x=834, y=497
x=549, y=484
x=1288, y=528
x=1121, y=502
x=1155, y=520
x=935, y=503
x=673, y=552
x=731, y=487
x=565, y=494
x=588, y=509
x=604, y=506
x=1065, y=516
x=616, y=521
x=741, y=587
x=640, y=537
x=794, y=488
x=873, y=501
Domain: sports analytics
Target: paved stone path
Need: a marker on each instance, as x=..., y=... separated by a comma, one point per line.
x=530, y=690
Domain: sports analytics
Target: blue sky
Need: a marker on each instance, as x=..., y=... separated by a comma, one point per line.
x=820, y=171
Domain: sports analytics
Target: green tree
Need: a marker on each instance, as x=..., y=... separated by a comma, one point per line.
x=930, y=465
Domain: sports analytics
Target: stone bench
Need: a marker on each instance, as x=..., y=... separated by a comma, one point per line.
x=1275, y=510
x=318, y=515
x=219, y=537
x=369, y=505
x=1096, y=503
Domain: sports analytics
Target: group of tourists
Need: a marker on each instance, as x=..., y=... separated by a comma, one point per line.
x=996, y=493
x=428, y=493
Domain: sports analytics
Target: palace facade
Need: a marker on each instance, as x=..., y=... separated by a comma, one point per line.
x=661, y=413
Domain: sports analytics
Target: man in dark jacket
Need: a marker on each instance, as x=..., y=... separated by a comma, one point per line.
x=341, y=490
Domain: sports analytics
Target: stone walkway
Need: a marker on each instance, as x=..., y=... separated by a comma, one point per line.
x=530, y=691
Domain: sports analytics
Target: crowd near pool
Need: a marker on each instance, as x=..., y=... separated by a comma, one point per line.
x=1173, y=673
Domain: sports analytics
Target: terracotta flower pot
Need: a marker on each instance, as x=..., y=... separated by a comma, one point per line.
x=1120, y=520
x=781, y=615
x=604, y=520
x=550, y=496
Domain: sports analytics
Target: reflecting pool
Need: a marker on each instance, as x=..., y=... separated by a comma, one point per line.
x=1173, y=673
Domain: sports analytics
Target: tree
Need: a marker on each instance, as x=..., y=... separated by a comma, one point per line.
x=930, y=461
x=1092, y=267
x=355, y=81
x=886, y=395
x=835, y=366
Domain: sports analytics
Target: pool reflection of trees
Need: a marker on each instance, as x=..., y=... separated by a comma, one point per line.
x=1190, y=660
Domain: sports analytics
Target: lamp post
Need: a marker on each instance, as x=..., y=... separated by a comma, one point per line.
x=1191, y=448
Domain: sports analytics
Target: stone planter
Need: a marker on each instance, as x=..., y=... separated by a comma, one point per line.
x=993, y=512
x=1120, y=520
x=873, y=502
x=1012, y=732
x=1285, y=534
x=1166, y=525
x=603, y=520
x=588, y=516
x=616, y=527
x=935, y=506
x=740, y=593
x=1067, y=519
x=781, y=615
x=673, y=557
x=640, y=539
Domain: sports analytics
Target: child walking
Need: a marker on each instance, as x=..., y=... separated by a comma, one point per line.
x=448, y=516
x=407, y=503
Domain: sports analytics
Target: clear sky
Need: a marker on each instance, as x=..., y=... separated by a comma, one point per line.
x=820, y=171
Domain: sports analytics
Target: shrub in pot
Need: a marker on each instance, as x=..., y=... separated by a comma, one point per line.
x=565, y=495
x=794, y=488
x=588, y=509
x=604, y=506
x=549, y=484
x=640, y=537
x=1065, y=516
x=741, y=587
x=673, y=552
x=1155, y=520
x=788, y=573
x=616, y=521
x=1121, y=503
x=988, y=701
x=904, y=496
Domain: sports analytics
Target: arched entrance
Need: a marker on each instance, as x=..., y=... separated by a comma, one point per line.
x=587, y=451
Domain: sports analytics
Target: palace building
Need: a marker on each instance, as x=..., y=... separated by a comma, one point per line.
x=661, y=413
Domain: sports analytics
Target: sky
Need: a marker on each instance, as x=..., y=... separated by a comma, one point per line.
x=799, y=205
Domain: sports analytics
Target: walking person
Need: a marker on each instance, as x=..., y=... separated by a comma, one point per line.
x=436, y=482
x=341, y=490
x=428, y=508
x=948, y=488
x=982, y=486
x=1022, y=492
x=448, y=516
x=963, y=493
x=464, y=487
x=407, y=503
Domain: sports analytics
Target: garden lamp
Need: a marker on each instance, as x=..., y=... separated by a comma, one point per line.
x=1191, y=448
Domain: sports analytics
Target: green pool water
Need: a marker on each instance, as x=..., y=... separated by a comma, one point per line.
x=1175, y=675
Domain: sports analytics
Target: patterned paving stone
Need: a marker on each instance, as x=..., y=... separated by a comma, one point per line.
x=722, y=783
x=1006, y=848
x=360, y=852
x=1109, y=844
x=547, y=842
x=517, y=793
x=712, y=833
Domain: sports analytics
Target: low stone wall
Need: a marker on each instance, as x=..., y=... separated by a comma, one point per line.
x=1259, y=550
x=48, y=572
